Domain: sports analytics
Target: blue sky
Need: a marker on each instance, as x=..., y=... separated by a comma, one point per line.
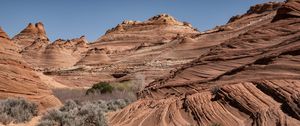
x=68, y=19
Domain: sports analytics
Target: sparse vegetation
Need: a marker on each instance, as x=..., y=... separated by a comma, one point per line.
x=121, y=90
x=17, y=110
x=83, y=107
x=101, y=87
x=79, y=95
x=139, y=82
x=216, y=124
x=82, y=114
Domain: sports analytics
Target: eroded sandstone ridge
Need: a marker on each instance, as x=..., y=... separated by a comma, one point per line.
x=131, y=47
x=31, y=33
x=249, y=79
x=18, y=79
x=59, y=54
x=130, y=34
x=245, y=72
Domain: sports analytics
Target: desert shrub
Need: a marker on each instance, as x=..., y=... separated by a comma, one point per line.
x=5, y=119
x=17, y=110
x=101, y=87
x=123, y=86
x=216, y=124
x=139, y=82
x=82, y=114
x=117, y=104
x=79, y=95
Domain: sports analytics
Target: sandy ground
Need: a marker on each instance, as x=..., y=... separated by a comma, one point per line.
x=51, y=83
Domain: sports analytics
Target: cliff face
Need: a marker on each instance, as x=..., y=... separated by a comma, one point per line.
x=247, y=79
x=18, y=79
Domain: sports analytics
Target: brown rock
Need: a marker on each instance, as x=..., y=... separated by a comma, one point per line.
x=3, y=34
x=243, y=73
x=40, y=28
x=61, y=53
x=17, y=79
x=31, y=33
x=260, y=8
x=251, y=78
x=95, y=57
x=288, y=10
x=130, y=34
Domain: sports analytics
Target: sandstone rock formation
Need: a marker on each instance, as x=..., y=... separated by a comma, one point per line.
x=3, y=34
x=245, y=72
x=131, y=46
x=18, y=79
x=259, y=9
x=249, y=79
x=130, y=34
x=290, y=9
x=59, y=54
x=30, y=34
x=153, y=55
x=95, y=56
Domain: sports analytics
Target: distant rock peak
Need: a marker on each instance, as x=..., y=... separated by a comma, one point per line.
x=161, y=19
x=30, y=34
x=165, y=18
x=130, y=22
x=71, y=43
x=38, y=28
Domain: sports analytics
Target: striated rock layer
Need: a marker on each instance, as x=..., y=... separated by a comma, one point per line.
x=243, y=73
x=131, y=46
x=289, y=10
x=151, y=48
x=130, y=34
x=31, y=33
x=18, y=79
x=249, y=79
x=59, y=54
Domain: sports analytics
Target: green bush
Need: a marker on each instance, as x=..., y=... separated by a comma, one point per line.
x=17, y=110
x=101, y=87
